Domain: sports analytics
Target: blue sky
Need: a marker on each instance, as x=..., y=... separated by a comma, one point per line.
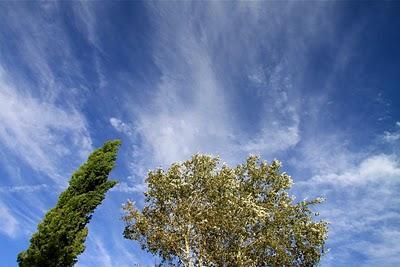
x=314, y=84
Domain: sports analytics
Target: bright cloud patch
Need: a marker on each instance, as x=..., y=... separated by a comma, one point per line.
x=120, y=126
x=394, y=136
x=374, y=168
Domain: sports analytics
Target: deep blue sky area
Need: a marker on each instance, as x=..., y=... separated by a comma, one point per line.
x=314, y=84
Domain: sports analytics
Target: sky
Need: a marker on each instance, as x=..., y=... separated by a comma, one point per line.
x=313, y=84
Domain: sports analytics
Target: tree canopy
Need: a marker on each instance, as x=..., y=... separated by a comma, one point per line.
x=199, y=213
x=61, y=235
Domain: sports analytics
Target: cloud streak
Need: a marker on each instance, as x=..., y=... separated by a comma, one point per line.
x=8, y=223
x=202, y=109
x=39, y=132
x=359, y=188
x=23, y=188
x=121, y=126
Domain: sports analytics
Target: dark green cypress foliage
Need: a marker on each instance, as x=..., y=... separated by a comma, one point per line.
x=61, y=235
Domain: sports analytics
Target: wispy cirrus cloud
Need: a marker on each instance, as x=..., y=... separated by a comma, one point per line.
x=44, y=50
x=41, y=90
x=48, y=139
x=201, y=109
x=43, y=133
x=121, y=126
x=8, y=222
x=103, y=260
x=39, y=132
x=23, y=188
x=360, y=188
x=281, y=123
x=86, y=22
x=113, y=251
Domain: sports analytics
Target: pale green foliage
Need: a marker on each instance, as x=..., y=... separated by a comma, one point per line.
x=200, y=214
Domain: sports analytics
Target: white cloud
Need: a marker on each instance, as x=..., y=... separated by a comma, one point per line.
x=23, y=188
x=102, y=257
x=374, y=168
x=281, y=122
x=321, y=152
x=394, y=136
x=361, y=191
x=391, y=137
x=125, y=188
x=8, y=223
x=39, y=132
x=385, y=252
x=275, y=138
x=86, y=21
x=190, y=113
x=44, y=48
x=99, y=252
x=198, y=111
x=121, y=126
x=361, y=198
x=41, y=122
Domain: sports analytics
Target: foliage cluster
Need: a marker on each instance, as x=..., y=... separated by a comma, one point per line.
x=199, y=214
x=60, y=236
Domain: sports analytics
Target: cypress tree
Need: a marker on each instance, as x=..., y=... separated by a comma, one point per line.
x=61, y=235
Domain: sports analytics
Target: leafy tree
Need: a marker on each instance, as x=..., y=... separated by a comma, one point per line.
x=61, y=235
x=200, y=214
